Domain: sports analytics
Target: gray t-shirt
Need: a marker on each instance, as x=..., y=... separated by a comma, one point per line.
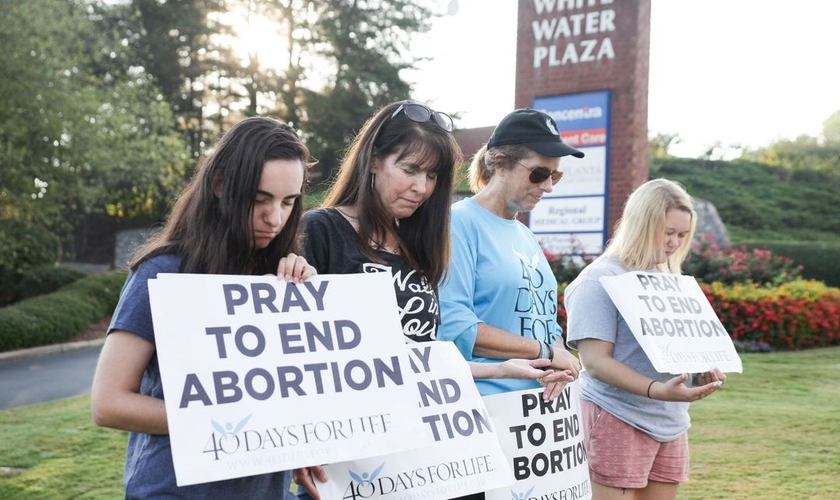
x=592, y=315
x=149, y=472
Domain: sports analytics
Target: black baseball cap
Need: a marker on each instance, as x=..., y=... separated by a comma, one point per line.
x=533, y=129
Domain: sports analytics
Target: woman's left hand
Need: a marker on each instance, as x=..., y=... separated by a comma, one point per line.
x=294, y=268
x=564, y=360
x=675, y=389
x=704, y=378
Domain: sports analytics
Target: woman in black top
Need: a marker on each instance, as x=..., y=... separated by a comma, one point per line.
x=388, y=211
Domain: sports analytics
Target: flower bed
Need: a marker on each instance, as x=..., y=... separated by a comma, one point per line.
x=797, y=315
x=759, y=297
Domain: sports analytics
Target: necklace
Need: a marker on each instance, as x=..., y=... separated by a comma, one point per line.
x=394, y=249
x=344, y=213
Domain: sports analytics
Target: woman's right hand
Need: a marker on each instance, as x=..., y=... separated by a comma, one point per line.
x=295, y=268
x=305, y=478
x=554, y=382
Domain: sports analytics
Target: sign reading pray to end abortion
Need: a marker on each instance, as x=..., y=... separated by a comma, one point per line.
x=543, y=442
x=261, y=375
x=673, y=321
x=464, y=456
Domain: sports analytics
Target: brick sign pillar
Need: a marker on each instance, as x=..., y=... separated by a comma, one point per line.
x=585, y=63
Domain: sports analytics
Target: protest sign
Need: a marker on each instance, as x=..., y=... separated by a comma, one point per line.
x=543, y=442
x=464, y=457
x=262, y=375
x=673, y=321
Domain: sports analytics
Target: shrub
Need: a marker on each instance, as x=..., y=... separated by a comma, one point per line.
x=62, y=315
x=796, y=315
x=820, y=260
x=566, y=267
x=23, y=245
x=709, y=263
x=45, y=279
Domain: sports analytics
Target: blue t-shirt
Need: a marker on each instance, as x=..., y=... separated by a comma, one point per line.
x=499, y=276
x=592, y=315
x=149, y=472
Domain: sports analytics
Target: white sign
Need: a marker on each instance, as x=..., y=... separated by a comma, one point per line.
x=562, y=38
x=464, y=457
x=673, y=321
x=568, y=215
x=566, y=244
x=261, y=375
x=543, y=440
x=585, y=176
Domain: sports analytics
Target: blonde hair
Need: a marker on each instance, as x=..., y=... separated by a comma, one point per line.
x=638, y=234
x=485, y=162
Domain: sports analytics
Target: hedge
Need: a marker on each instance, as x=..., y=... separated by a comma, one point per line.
x=62, y=315
x=820, y=260
x=43, y=280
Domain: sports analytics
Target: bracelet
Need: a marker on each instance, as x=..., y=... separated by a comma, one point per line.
x=542, y=351
x=550, y=350
x=649, y=386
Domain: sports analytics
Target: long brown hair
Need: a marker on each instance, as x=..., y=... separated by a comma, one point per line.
x=210, y=224
x=424, y=236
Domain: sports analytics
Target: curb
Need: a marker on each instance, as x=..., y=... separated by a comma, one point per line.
x=49, y=349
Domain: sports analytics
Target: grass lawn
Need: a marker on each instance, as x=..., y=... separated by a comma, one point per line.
x=772, y=433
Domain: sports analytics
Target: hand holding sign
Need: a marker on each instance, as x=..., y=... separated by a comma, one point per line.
x=676, y=389
x=673, y=321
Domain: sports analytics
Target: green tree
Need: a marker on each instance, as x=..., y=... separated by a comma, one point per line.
x=804, y=154
x=75, y=143
x=661, y=143
x=342, y=62
x=367, y=44
x=831, y=128
x=174, y=43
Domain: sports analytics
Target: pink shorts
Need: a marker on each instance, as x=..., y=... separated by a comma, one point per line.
x=622, y=456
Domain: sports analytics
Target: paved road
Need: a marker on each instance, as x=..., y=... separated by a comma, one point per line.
x=38, y=378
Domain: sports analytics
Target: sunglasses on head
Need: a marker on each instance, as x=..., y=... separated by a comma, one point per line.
x=421, y=114
x=540, y=174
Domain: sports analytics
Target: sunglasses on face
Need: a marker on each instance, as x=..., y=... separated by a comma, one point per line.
x=540, y=174
x=421, y=114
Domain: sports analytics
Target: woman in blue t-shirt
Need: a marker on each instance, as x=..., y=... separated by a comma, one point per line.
x=499, y=300
x=240, y=214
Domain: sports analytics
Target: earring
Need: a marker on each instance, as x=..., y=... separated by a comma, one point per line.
x=372, y=180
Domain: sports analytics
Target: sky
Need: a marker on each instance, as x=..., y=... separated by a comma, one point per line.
x=734, y=72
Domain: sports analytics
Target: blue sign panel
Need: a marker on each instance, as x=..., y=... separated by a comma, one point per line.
x=573, y=218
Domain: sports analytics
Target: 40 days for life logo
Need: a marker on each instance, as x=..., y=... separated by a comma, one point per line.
x=574, y=492
x=229, y=439
x=375, y=484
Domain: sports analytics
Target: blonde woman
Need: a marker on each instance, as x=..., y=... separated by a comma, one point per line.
x=635, y=418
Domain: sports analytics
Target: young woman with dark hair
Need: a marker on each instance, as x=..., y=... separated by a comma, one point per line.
x=240, y=214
